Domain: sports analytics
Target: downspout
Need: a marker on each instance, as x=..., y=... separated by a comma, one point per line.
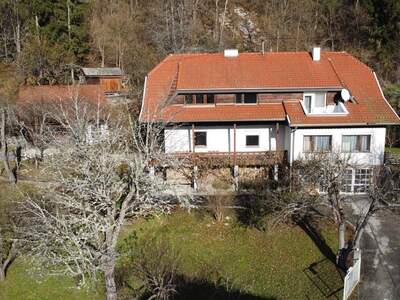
x=292, y=143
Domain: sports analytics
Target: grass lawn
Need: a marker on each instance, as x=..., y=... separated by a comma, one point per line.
x=283, y=263
x=395, y=150
x=22, y=285
x=220, y=261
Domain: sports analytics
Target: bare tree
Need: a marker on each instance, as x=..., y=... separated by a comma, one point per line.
x=4, y=146
x=100, y=183
x=33, y=119
x=8, y=238
x=323, y=175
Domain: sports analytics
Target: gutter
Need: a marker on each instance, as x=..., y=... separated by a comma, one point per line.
x=222, y=120
x=144, y=94
x=383, y=96
x=255, y=89
x=343, y=125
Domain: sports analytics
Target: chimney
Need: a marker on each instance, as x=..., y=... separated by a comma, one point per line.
x=231, y=53
x=316, y=53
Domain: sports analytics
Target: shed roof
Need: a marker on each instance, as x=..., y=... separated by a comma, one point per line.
x=96, y=72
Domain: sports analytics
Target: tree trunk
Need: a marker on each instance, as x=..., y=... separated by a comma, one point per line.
x=342, y=231
x=4, y=148
x=12, y=254
x=2, y=275
x=111, y=288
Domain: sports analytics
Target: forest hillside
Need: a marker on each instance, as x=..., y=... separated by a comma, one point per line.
x=46, y=41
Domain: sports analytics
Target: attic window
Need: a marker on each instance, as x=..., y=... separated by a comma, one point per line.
x=199, y=98
x=189, y=99
x=250, y=98
x=247, y=98
x=210, y=98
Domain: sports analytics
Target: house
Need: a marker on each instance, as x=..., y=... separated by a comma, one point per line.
x=281, y=105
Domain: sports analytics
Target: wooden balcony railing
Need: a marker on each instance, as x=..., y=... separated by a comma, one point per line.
x=259, y=158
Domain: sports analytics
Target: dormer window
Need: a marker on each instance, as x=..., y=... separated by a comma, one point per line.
x=314, y=103
x=308, y=102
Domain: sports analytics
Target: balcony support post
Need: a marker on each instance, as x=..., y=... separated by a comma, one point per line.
x=192, y=139
x=195, y=175
x=234, y=144
x=277, y=137
x=236, y=176
x=276, y=171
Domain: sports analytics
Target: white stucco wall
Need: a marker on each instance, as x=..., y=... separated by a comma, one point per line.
x=220, y=138
x=374, y=157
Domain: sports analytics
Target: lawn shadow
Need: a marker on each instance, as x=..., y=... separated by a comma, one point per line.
x=306, y=225
x=321, y=274
x=196, y=289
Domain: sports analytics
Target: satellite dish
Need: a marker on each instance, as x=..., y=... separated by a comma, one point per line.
x=345, y=94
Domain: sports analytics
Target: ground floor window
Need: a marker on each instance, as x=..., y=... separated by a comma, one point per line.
x=252, y=140
x=362, y=180
x=354, y=181
x=200, y=138
x=357, y=181
x=317, y=143
x=347, y=183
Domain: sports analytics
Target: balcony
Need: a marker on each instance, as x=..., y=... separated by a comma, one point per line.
x=229, y=159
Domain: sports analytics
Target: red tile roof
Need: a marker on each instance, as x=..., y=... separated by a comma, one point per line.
x=92, y=93
x=225, y=112
x=279, y=70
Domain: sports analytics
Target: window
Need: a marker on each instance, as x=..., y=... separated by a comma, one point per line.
x=250, y=98
x=199, y=99
x=356, y=143
x=189, y=99
x=319, y=100
x=252, y=140
x=317, y=143
x=246, y=98
x=362, y=180
x=347, y=183
x=238, y=98
x=357, y=180
x=315, y=103
x=210, y=98
x=307, y=103
x=200, y=138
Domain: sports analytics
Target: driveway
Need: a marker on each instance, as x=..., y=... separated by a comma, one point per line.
x=380, y=244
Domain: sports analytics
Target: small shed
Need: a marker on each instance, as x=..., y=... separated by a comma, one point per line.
x=110, y=79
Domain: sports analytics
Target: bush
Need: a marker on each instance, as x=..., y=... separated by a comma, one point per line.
x=219, y=205
x=154, y=263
